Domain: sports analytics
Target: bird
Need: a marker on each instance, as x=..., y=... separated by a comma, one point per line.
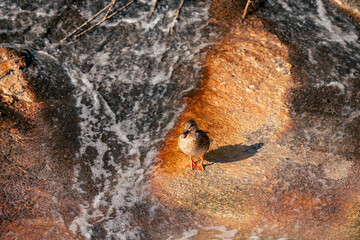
x=194, y=142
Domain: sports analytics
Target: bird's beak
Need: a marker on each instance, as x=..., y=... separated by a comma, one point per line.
x=184, y=134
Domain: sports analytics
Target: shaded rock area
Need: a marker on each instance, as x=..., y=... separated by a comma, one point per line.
x=37, y=140
x=284, y=161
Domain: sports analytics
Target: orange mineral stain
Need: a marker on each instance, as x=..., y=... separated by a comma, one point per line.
x=254, y=180
x=247, y=77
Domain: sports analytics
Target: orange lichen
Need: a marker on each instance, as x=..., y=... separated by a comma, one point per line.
x=242, y=100
x=38, y=228
x=247, y=77
x=244, y=90
x=13, y=83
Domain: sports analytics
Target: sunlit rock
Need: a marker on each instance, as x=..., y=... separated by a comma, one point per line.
x=284, y=162
x=13, y=82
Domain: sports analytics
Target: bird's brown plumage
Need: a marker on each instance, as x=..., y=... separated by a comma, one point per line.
x=194, y=142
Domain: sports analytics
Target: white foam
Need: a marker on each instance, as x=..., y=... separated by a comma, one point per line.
x=95, y=73
x=42, y=12
x=76, y=182
x=311, y=58
x=78, y=224
x=338, y=84
x=285, y=6
x=188, y=234
x=336, y=34
x=354, y=114
x=254, y=237
x=226, y=234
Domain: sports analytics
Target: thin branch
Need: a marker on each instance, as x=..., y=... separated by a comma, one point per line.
x=245, y=10
x=120, y=9
x=112, y=5
x=85, y=23
x=85, y=31
x=20, y=168
x=153, y=8
x=176, y=16
x=104, y=19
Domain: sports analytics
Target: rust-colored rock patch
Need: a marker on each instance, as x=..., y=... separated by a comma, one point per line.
x=36, y=200
x=13, y=82
x=246, y=80
x=241, y=103
x=42, y=228
x=259, y=177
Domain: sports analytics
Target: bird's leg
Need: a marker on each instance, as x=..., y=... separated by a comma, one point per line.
x=200, y=166
x=191, y=164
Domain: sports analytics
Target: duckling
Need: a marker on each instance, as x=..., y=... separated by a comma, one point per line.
x=194, y=142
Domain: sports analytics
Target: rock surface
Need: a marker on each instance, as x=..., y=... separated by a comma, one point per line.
x=38, y=139
x=351, y=8
x=260, y=177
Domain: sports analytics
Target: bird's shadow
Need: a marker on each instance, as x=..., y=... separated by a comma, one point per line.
x=232, y=153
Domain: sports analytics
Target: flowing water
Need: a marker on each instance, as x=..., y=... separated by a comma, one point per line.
x=130, y=76
x=325, y=53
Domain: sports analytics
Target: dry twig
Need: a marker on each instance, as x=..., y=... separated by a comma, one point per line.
x=111, y=6
x=245, y=10
x=176, y=16
x=85, y=23
x=153, y=8
x=106, y=17
x=21, y=169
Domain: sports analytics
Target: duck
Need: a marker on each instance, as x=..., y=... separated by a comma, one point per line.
x=194, y=142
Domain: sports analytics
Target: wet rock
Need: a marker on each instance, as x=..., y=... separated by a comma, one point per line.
x=38, y=139
x=241, y=103
x=278, y=166
x=37, y=229
x=351, y=8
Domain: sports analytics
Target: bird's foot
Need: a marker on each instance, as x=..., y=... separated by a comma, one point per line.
x=199, y=167
x=191, y=165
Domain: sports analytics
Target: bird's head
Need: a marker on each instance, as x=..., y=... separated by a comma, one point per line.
x=190, y=126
